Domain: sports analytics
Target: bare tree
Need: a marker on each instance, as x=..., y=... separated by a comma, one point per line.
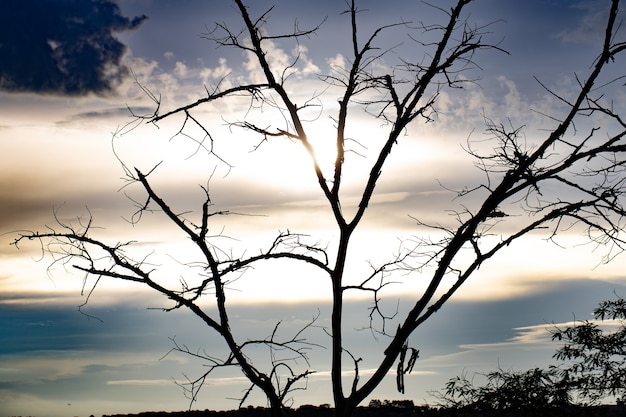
x=564, y=179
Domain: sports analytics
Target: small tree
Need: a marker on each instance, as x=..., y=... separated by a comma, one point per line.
x=595, y=356
x=594, y=368
x=550, y=183
x=528, y=391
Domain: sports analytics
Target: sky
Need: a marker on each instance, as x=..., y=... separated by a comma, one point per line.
x=67, y=89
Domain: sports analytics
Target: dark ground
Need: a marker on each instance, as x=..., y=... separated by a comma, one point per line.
x=416, y=411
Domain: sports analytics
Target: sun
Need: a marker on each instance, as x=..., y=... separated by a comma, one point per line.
x=325, y=149
x=287, y=163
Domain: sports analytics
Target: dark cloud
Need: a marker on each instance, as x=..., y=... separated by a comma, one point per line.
x=112, y=112
x=62, y=47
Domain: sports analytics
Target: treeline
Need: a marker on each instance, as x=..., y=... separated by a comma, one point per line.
x=390, y=410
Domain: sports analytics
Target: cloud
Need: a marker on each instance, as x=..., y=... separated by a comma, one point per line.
x=297, y=63
x=590, y=29
x=535, y=336
x=362, y=372
x=115, y=113
x=337, y=63
x=62, y=47
x=135, y=382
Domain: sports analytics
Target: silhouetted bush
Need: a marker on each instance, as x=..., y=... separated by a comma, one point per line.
x=534, y=389
x=594, y=356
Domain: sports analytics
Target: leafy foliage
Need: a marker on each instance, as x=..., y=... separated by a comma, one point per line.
x=595, y=353
x=593, y=368
x=507, y=390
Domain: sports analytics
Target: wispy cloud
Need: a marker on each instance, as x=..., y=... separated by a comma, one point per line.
x=590, y=29
x=136, y=382
x=364, y=372
x=536, y=336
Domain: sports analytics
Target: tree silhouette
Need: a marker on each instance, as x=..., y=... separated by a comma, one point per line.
x=565, y=179
x=594, y=357
x=534, y=390
x=591, y=368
